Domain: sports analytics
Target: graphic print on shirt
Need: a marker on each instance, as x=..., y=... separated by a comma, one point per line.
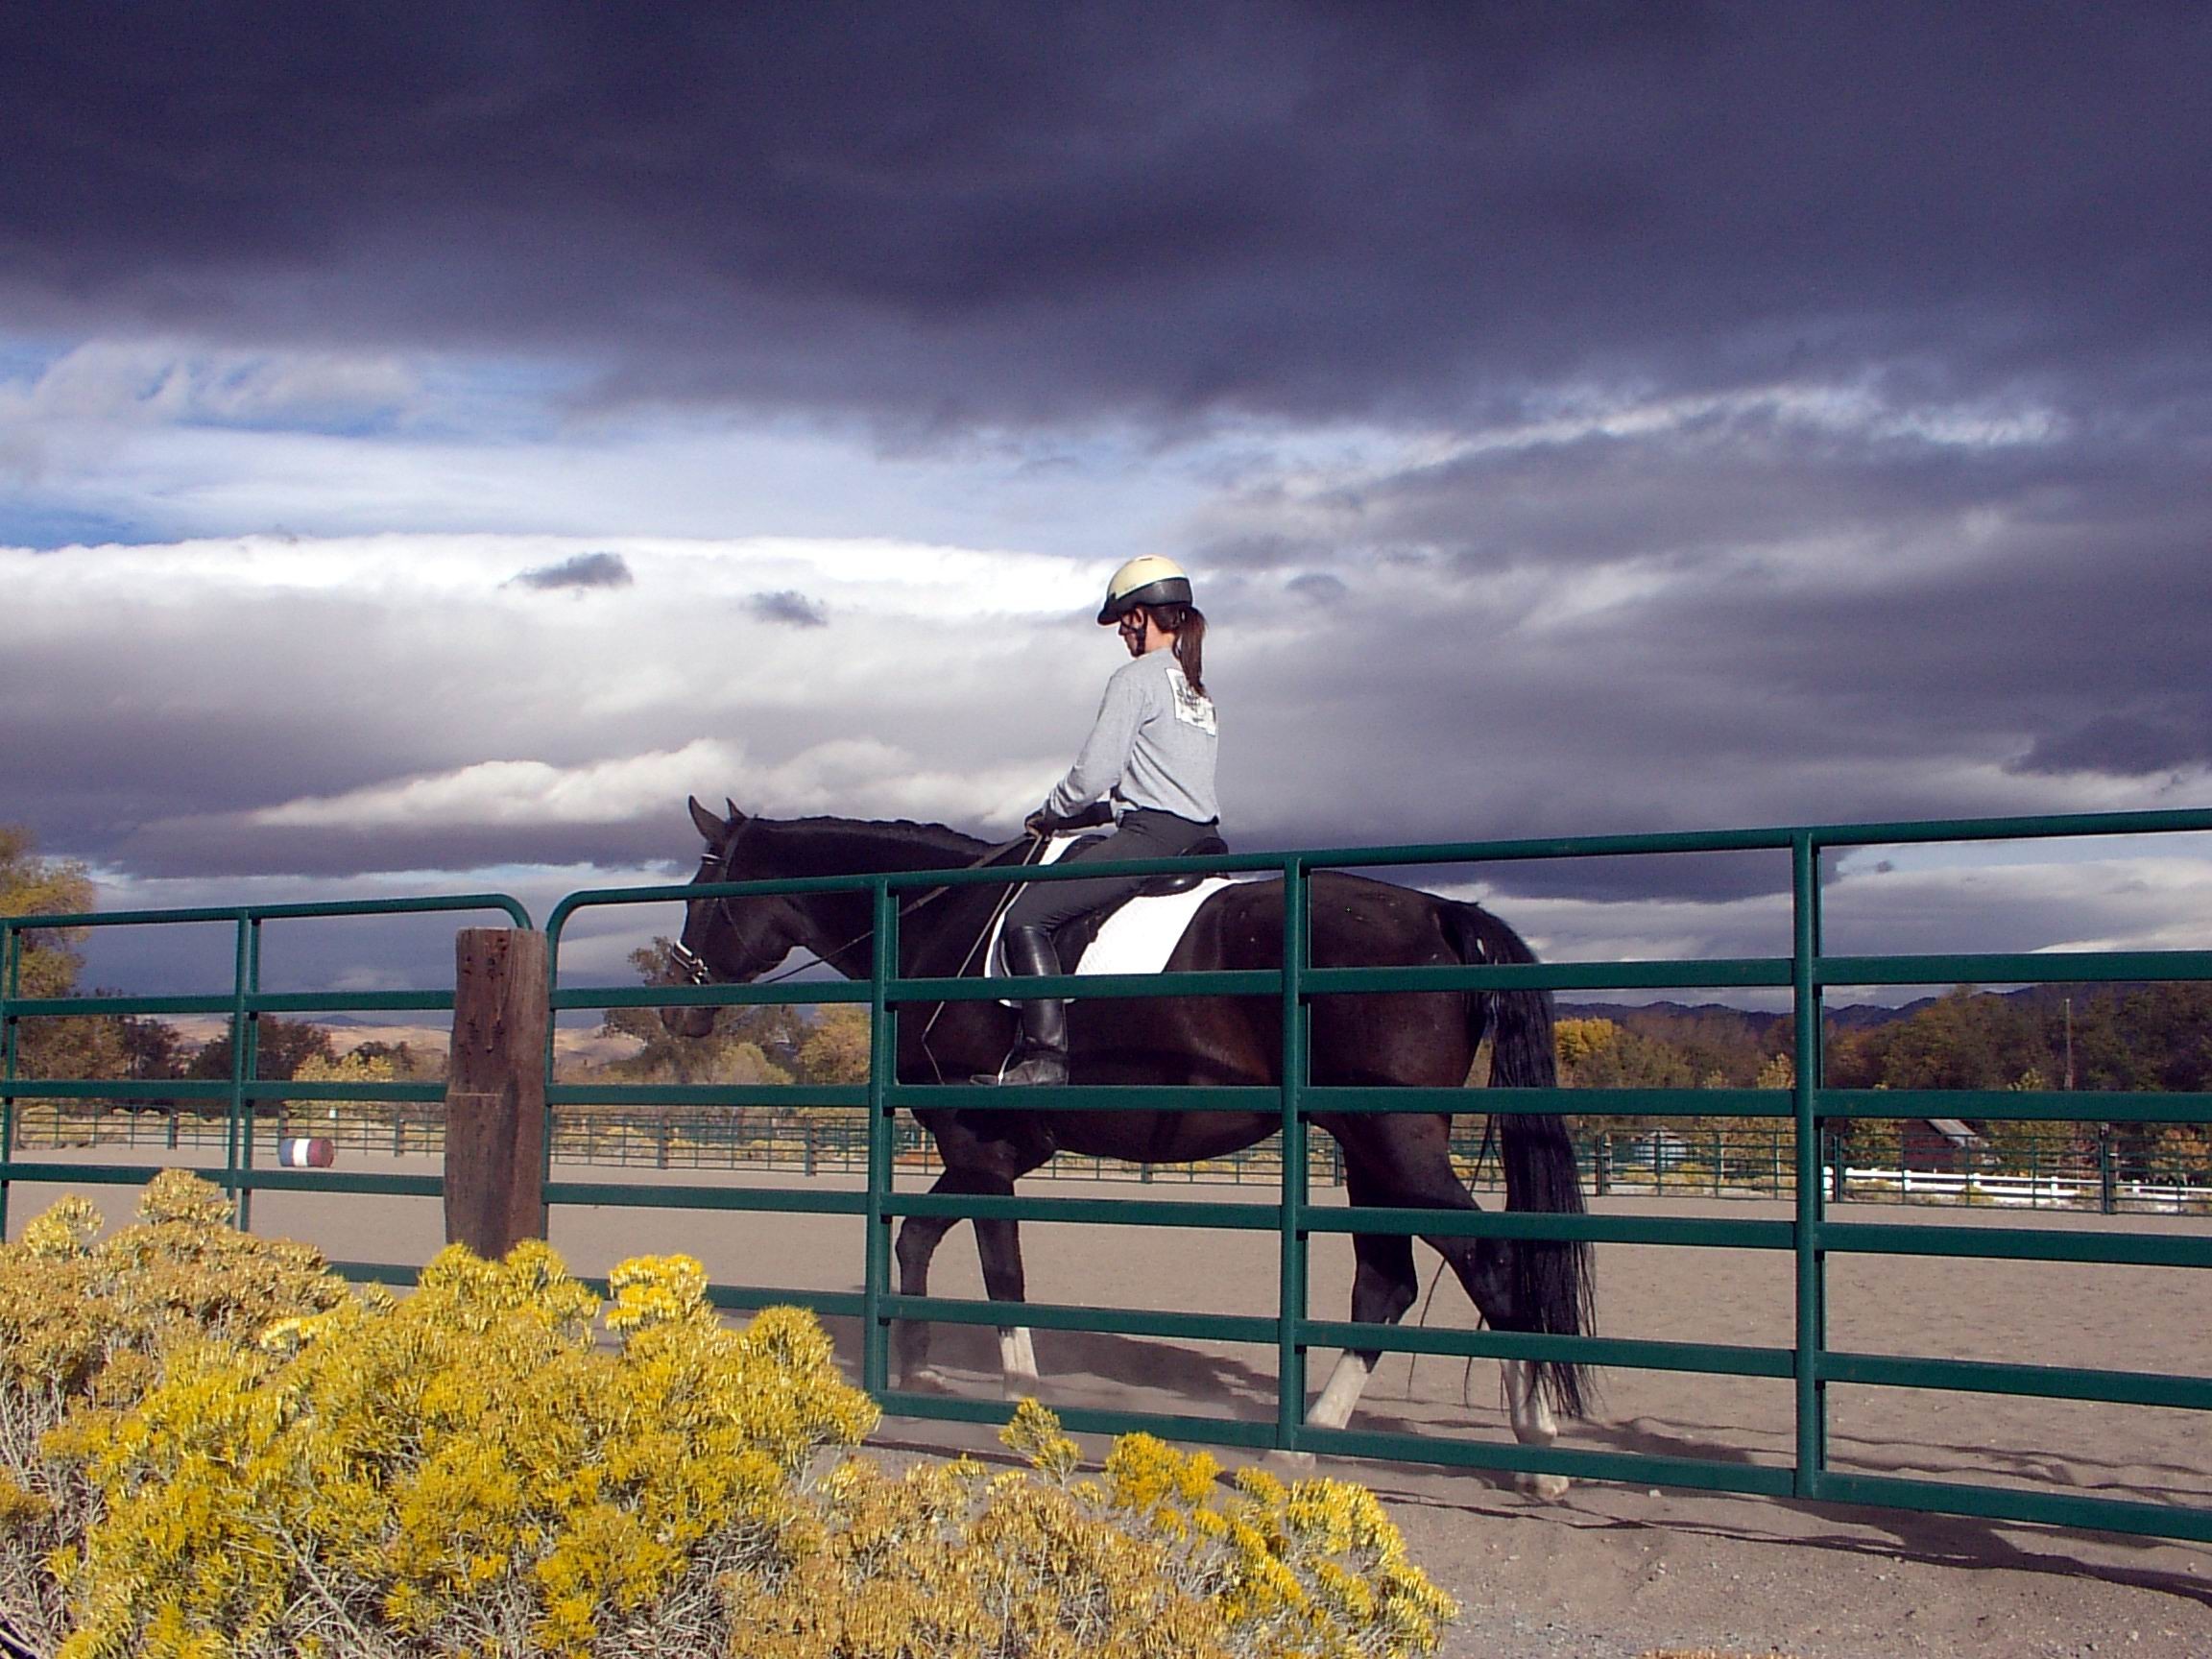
x=1192, y=708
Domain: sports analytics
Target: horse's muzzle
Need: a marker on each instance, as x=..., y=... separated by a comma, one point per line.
x=693, y=1022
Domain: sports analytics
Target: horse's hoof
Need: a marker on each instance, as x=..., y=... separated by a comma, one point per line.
x=1544, y=1488
x=1019, y=1387
x=922, y=1380
x=1297, y=1462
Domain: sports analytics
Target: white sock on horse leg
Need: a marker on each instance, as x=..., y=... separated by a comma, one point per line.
x=1534, y=1425
x=1337, y=1402
x=1017, y=1360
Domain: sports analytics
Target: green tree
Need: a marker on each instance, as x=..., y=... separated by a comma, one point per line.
x=1962, y=1040
x=152, y=1048
x=282, y=1046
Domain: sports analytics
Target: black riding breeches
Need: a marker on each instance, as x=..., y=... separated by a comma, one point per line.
x=1141, y=833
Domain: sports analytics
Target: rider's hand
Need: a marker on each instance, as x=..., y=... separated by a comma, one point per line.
x=1039, y=824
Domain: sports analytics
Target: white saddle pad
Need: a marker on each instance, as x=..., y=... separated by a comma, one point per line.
x=1138, y=938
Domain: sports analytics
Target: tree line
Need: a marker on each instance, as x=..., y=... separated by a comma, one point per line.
x=2152, y=1038
x=2155, y=1038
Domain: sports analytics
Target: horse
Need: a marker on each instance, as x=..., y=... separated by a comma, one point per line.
x=1397, y=1160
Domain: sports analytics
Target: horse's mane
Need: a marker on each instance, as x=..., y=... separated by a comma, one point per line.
x=917, y=846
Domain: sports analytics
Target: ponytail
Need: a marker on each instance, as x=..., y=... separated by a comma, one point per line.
x=1188, y=623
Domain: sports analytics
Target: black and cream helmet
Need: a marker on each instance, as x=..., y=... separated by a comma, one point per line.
x=1145, y=580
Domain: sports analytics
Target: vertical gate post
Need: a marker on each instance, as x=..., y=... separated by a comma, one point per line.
x=495, y=1091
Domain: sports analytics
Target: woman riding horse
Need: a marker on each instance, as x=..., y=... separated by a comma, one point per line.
x=1151, y=755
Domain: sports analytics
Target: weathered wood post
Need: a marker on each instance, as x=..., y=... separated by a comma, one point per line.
x=495, y=1092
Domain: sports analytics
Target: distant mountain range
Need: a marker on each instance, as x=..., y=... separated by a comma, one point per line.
x=1843, y=1017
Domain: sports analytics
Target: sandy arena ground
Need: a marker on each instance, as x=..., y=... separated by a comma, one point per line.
x=1615, y=1569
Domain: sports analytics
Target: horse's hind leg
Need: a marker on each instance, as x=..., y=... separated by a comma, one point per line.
x=1384, y=1286
x=1424, y=1179
x=1533, y=1424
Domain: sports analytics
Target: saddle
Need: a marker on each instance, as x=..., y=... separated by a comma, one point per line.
x=1072, y=939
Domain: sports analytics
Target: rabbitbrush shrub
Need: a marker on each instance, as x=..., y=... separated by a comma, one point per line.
x=84, y=1327
x=294, y=1468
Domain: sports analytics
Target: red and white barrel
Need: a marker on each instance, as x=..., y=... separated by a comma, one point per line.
x=304, y=1152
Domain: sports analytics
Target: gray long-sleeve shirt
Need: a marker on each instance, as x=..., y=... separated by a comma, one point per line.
x=1153, y=746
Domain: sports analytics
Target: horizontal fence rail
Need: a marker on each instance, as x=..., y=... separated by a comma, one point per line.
x=1803, y=1155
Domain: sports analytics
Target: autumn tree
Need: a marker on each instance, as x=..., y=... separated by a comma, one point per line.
x=742, y=1045
x=836, y=1048
x=48, y=962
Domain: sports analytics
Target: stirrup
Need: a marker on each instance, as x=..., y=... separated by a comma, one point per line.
x=1038, y=1069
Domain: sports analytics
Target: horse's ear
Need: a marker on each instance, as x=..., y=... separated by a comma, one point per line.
x=735, y=817
x=710, y=826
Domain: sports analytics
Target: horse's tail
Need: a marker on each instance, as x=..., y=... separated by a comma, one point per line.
x=1550, y=1277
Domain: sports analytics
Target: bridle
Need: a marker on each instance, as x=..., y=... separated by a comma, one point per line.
x=694, y=966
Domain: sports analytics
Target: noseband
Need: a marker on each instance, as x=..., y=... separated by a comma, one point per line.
x=693, y=966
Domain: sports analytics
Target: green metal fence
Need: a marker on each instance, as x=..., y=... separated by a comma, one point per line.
x=241, y=1096
x=1806, y=973
x=1808, y=1363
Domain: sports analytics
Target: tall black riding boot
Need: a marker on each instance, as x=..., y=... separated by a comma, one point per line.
x=1041, y=1056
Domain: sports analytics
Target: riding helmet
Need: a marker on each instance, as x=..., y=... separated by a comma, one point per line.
x=1145, y=580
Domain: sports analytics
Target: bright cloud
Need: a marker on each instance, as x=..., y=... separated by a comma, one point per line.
x=494, y=792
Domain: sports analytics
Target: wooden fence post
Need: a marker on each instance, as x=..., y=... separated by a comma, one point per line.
x=495, y=1092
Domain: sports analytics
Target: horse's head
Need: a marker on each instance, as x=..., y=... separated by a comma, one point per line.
x=729, y=940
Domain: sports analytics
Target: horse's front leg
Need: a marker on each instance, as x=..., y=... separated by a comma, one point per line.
x=919, y=1237
x=999, y=1243
x=1384, y=1286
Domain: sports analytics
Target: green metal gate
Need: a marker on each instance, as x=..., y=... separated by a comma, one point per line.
x=1809, y=1364
x=239, y=1095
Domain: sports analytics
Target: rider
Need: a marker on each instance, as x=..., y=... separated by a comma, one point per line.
x=1152, y=753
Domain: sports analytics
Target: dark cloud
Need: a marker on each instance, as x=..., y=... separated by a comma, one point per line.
x=1009, y=216
x=583, y=570
x=2125, y=745
x=790, y=607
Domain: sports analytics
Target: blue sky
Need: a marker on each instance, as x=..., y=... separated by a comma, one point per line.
x=1613, y=417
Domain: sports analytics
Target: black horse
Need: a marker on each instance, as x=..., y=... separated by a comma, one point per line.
x=1394, y=1159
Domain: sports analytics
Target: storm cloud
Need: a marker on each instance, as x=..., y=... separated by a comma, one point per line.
x=989, y=214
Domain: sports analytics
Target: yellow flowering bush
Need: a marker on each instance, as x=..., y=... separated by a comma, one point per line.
x=464, y=1471
x=1157, y=1559
x=501, y=1465
x=87, y=1325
